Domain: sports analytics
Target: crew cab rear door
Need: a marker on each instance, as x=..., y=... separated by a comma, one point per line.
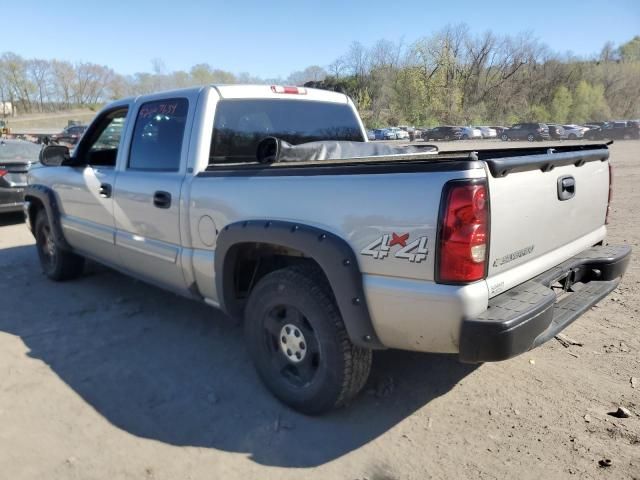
x=148, y=189
x=546, y=206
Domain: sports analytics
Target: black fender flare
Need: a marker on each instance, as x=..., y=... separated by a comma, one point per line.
x=332, y=253
x=47, y=197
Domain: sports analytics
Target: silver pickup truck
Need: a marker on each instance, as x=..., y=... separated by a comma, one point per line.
x=267, y=202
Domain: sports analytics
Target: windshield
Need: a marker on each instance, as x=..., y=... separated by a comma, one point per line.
x=241, y=124
x=19, y=152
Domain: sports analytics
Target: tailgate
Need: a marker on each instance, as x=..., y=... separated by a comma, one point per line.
x=545, y=208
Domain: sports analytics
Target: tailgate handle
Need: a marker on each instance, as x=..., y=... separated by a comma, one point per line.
x=566, y=187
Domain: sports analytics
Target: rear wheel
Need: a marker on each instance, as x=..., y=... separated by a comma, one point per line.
x=531, y=137
x=56, y=263
x=299, y=343
x=573, y=136
x=465, y=137
x=504, y=137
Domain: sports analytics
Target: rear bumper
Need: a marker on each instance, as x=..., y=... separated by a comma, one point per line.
x=530, y=314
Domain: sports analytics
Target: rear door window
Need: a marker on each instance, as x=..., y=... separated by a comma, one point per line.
x=158, y=134
x=241, y=124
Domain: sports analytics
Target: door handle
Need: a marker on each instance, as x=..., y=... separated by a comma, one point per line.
x=162, y=199
x=105, y=190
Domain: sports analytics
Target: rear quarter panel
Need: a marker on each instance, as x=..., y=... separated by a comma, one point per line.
x=362, y=209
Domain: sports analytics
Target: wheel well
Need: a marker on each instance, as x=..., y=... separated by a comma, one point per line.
x=252, y=261
x=35, y=205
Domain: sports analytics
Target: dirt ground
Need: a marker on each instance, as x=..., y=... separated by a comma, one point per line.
x=48, y=122
x=108, y=378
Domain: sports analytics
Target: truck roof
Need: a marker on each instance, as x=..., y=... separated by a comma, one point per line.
x=247, y=91
x=270, y=91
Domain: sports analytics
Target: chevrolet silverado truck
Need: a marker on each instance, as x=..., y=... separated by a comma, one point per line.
x=268, y=203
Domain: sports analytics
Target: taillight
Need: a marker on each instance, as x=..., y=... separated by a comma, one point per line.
x=606, y=218
x=290, y=90
x=3, y=172
x=464, y=232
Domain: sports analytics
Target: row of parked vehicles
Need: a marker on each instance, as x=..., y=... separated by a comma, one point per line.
x=531, y=131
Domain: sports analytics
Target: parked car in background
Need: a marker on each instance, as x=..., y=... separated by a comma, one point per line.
x=499, y=129
x=384, y=134
x=442, y=133
x=573, y=132
x=526, y=131
x=16, y=158
x=469, y=133
x=488, y=132
x=400, y=133
x=371, y=135
x=619, y=130
x=70, y=134
x=556, y=132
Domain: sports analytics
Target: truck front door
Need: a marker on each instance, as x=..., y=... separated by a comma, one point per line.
x=85, y=189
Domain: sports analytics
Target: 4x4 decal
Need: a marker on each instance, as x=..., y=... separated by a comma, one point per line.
x=416, y=251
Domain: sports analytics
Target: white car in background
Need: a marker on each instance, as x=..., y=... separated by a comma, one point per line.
x=573, y=132
x=400, y=134
x=488, y=132
x=469, y=133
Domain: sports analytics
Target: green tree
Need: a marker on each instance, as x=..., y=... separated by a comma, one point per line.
x=561, y=106
x=630, y=51
x=538, y=113
x=589, y=103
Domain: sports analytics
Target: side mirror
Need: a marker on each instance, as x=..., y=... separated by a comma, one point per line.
x=54, y=155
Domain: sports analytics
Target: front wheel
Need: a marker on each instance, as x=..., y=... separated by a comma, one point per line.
x=530, y=137
x=504, y=137
x=573, y=136
x=56, y=263
x=299, y=343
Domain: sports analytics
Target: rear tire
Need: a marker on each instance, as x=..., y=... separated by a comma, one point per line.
x=504, y=137
x=299, y=344
x=465, y=137
x=573, y=136
x=56, y=263
x=530, y=138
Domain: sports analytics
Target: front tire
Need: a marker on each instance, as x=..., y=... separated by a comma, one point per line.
x=530, y=137
x=56, y=263
x=299, y=344
x=504, y=137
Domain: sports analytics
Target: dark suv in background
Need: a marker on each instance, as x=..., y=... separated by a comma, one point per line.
x=442, y=133
x=556, y=132
x=526, y=131
x=70, y=134
x=621, y=130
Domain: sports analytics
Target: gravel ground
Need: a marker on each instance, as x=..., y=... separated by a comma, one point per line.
x=108, y=378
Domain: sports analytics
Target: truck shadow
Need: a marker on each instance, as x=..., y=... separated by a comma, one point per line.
x=172, y=370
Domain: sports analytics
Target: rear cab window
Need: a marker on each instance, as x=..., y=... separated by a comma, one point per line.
x=240, y=124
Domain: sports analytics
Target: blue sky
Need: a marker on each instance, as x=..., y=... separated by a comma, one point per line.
x=274, y=38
